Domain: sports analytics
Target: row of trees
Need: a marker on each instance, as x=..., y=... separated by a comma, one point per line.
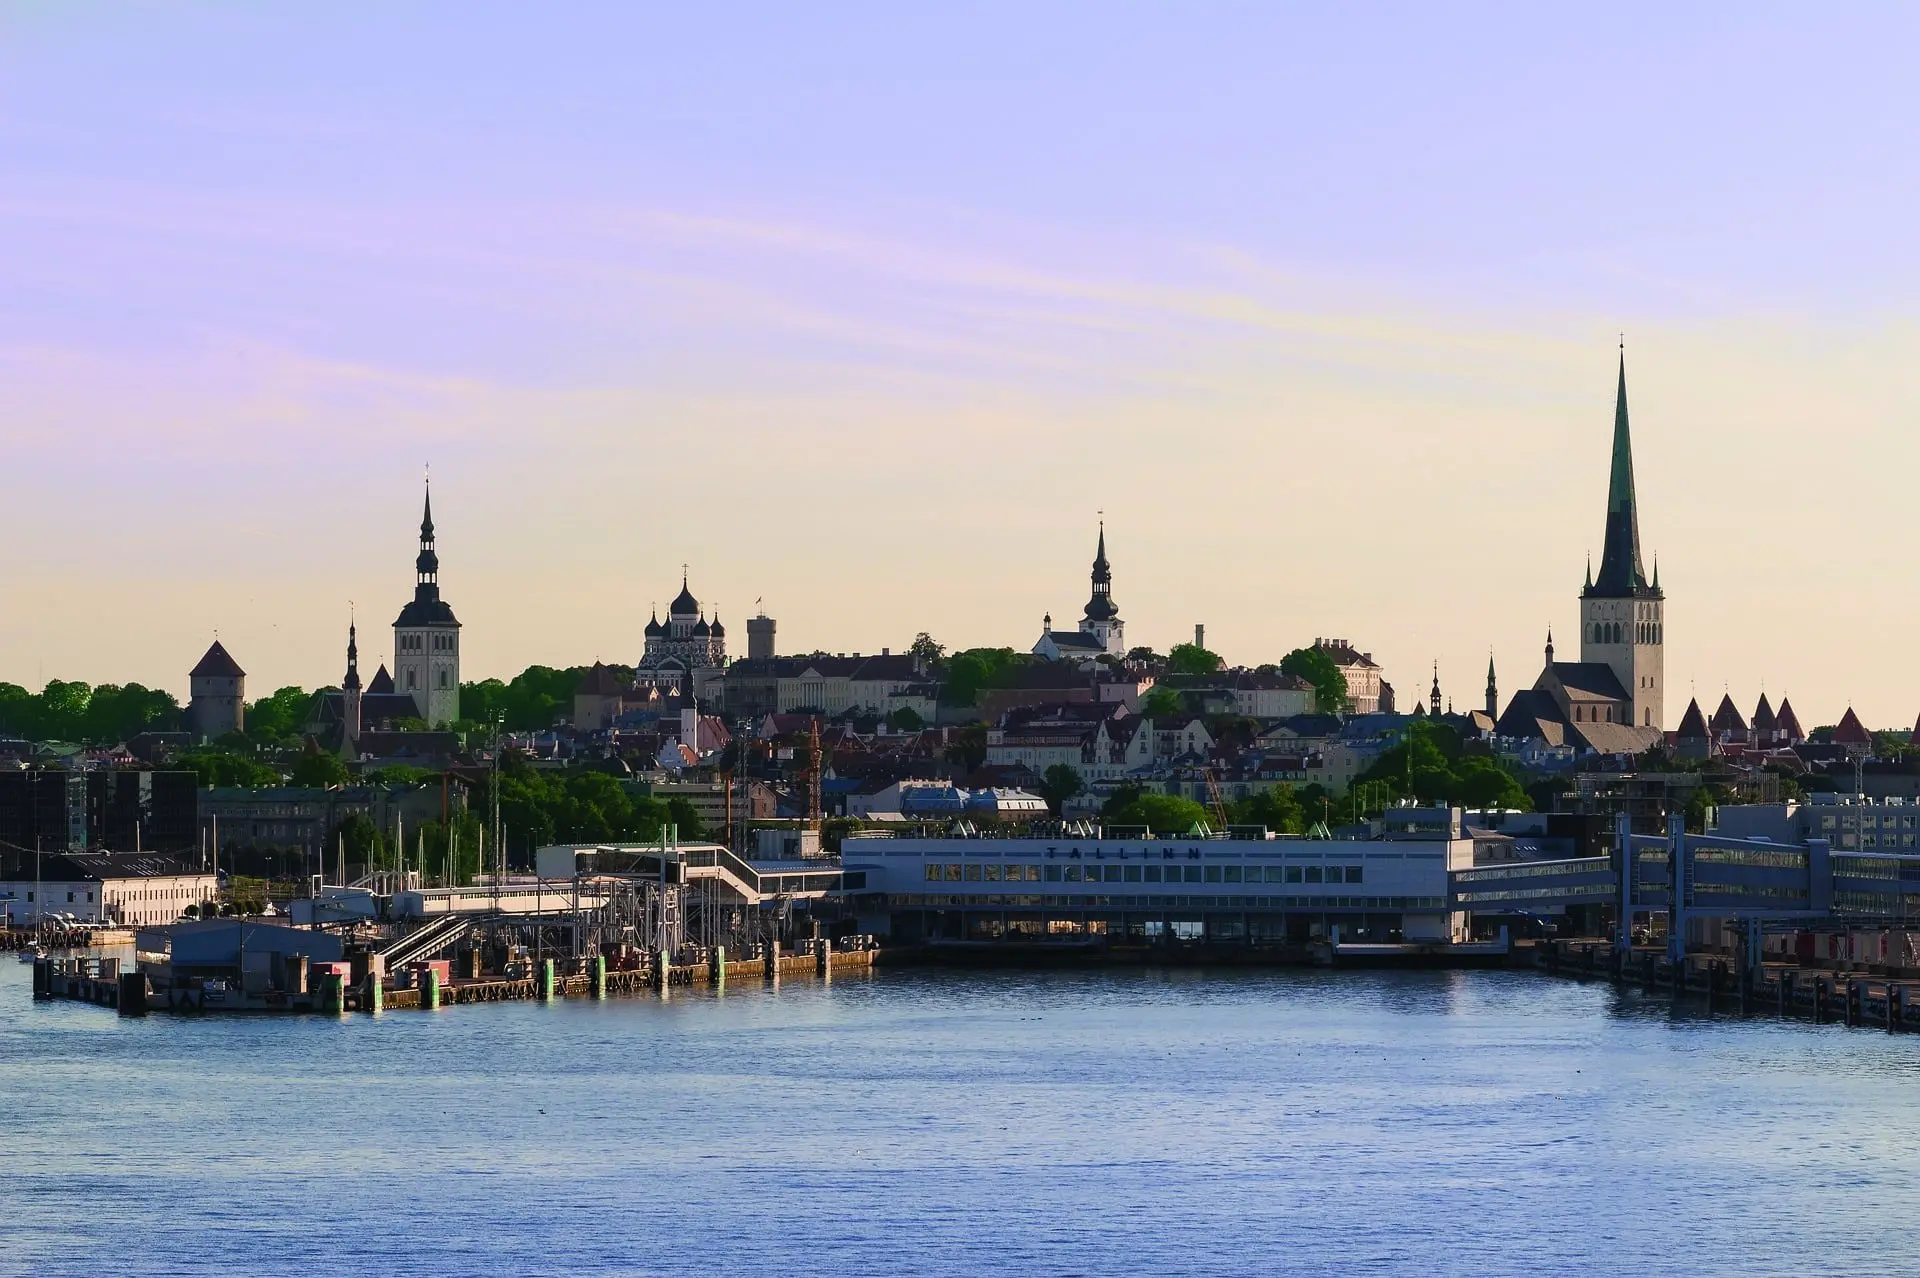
x=79, y=712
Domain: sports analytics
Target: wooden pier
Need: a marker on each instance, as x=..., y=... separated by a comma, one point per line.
x=1873, y=1000
x=109, y=983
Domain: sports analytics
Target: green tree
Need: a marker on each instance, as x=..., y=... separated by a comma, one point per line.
x=1166, y=813
x=906, y=719
x=396, y=774
x=317, y=768
x=1278, y=809
x=1161, y=703
x=1192, y=659
x=967, y=747
x=1061, y=784
x=280, y=717
x=227, y=769
x=977, y=668
x=1317, y=667
x=929, y=653
x=1432, y=766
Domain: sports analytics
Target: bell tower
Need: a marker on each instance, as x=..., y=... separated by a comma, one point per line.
x=1622, y=612
x=426, y=638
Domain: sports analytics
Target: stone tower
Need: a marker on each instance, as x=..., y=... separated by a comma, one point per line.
x=426, y=638
x=760, y=638
x=217, y=692
x=1622, y=612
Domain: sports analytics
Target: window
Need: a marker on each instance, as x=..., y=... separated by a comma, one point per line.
x=1073, y=873
x=1153, y=873
x=1213, y=874
x=1053, y=874
x=1133, y=873
x=973, y=872
x=1313, y=874
x=953, y=872
x=993, y=873
x=1293, y=874
x=1193, y=873
x=1353, y=873
x=1114, y=875
x=1233, y=874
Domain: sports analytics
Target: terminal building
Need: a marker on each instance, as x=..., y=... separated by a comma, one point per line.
x=1256, y=888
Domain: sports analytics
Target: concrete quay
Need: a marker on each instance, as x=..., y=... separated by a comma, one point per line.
x=1885, y=1000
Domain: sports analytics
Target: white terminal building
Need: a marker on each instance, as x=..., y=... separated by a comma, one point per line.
x=1392, y=887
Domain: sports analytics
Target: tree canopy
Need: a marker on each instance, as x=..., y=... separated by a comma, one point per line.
x=1317, y=667
x=225, y=768
x=1161, y=703
x=1430, y=765
x=976, y=668
x=532, y=701
x=1192, y=659
x=71, y=711
x=579, y=807
x=1060, y=784
x=1168, y=813
x=280, y=717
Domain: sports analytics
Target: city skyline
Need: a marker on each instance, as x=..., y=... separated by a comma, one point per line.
x=878, y=356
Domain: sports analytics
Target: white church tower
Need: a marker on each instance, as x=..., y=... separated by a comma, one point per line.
x=426, y=639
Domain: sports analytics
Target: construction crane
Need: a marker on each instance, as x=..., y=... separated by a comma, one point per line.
x=813, y=779
x=1213, y=792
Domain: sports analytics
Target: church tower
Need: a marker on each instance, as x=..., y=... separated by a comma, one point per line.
x=1102, y=619
x=1493, y=691
x=350, y=691
x=1622, y=613
x=426, y=638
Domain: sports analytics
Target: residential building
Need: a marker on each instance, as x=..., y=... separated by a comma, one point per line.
x=1362, y=673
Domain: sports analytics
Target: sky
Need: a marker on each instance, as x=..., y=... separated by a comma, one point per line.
x=868, y=313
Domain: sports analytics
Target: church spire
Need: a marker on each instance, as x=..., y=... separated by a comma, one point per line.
x=1433, y=697
x=1622, y=574
x=426, y=580
x=1493, y=691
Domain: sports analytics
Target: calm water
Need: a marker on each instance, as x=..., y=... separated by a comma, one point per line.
x=1108, y=1123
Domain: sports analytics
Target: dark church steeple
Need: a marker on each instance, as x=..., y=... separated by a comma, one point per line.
x=1622, y=573
x=426, y=567
x=1100, y=607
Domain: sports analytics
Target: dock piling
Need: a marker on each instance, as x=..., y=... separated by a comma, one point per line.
x=430, y=990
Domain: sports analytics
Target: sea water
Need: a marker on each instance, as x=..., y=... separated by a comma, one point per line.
x=1119, y=1122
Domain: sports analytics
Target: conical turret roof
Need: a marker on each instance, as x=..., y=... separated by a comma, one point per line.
x=1850, y=731
x=1693, y=724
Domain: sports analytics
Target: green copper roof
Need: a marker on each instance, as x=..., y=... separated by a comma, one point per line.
x=1621, y=572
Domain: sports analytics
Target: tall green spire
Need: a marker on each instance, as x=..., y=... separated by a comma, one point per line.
x=1621, y=572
